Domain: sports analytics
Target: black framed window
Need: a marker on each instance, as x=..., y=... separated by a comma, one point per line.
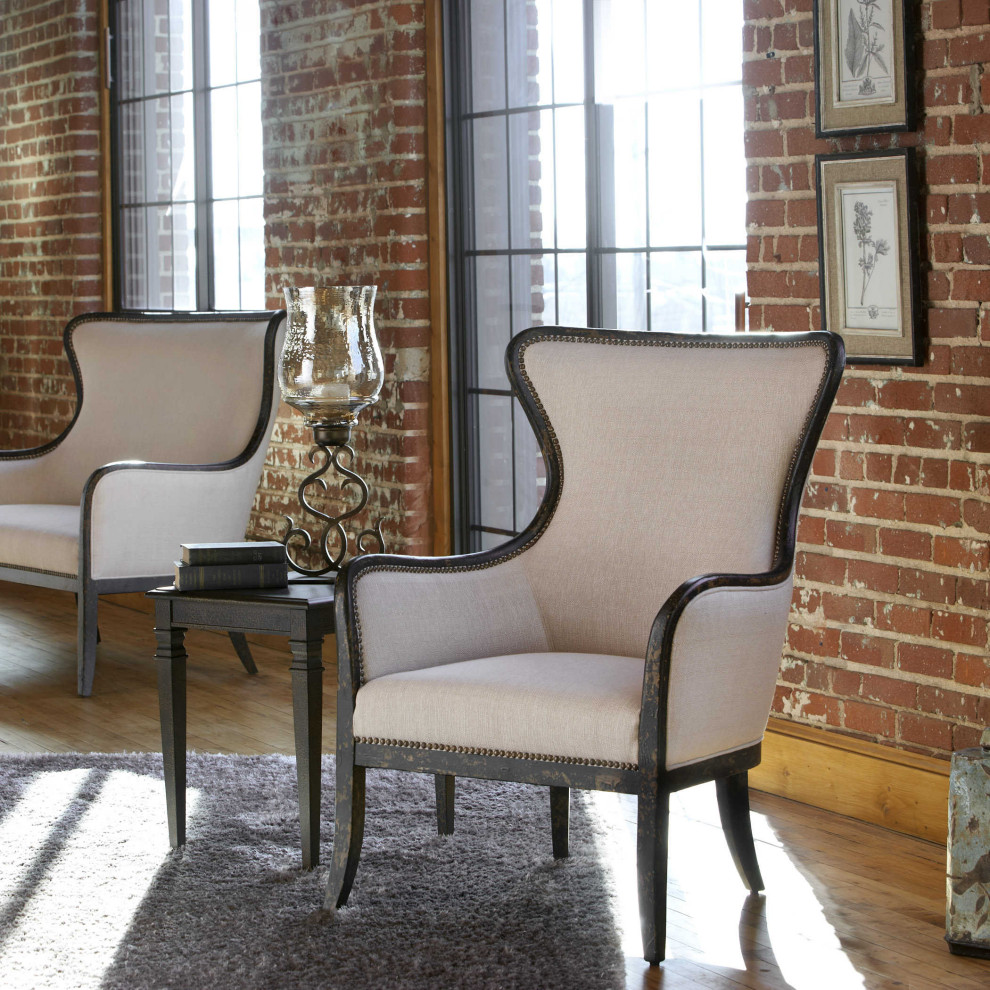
x=597, y=179
x=187, y=154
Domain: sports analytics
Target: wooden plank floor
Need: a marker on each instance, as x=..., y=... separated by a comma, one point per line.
x=847, y=905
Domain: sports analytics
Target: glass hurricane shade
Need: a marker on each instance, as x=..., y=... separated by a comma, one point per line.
x=330, y=367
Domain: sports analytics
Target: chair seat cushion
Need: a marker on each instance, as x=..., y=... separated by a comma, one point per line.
x=40, y=537
x=571, y=706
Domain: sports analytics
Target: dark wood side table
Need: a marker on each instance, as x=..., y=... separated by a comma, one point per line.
x=304, y=612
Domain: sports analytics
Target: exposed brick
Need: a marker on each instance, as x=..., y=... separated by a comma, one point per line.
x=929, y=660
x=861, y=648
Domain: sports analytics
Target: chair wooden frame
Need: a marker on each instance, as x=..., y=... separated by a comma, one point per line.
x=86, y=587
x=650, y=780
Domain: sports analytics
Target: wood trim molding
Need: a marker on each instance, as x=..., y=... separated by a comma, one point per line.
x=437, y=217
x=877, y=784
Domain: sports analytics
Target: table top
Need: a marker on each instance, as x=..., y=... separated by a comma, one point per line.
x=300, y=593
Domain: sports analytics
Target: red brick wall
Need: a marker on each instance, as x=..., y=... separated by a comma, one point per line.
x=50, y=225
x=890, y=620
x=344, y=91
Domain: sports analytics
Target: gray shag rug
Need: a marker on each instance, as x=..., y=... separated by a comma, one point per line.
x=91, y=896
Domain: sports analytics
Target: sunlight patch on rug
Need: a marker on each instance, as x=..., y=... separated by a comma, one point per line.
x=84, y=889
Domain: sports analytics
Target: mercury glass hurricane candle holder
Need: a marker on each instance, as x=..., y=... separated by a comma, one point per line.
x=330, y=369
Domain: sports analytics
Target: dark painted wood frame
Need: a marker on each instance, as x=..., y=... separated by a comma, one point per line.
x=650, y=780
x=908, y=247
x=906, y=78
x=86, y=587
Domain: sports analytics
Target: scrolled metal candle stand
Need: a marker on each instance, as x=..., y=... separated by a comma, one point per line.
x=332, y=441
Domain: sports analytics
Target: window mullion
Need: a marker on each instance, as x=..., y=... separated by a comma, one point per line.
x=205, y=295
x=593, y=243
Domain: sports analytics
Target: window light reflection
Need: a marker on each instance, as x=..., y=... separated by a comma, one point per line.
x=94, y=882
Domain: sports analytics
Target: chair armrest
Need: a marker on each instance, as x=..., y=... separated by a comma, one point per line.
x=714, y=651
x=406, y=613
x=136, y=513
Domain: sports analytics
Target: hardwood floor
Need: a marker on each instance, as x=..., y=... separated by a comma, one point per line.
x=847, y=905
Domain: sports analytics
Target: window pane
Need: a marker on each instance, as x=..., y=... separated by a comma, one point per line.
x=487, y=55
x=490, y=184
x=252, y=244
x=531, y=168
x=249, y=40
x=223, y=57
x=533, y=293
x=132, y=158
x=725, y=276
x=183, y=147
x=675, y=179
x=495, y=460
x=630, y=291
x=226, y=270
x=721, y=38
x=492, y=320
x=133, y=248
x=522, y=53
x=725, y=167
x=672, y=39
x=223, y=120
x=184, y=256
x=622, y=131
x=159, y=256
x=675, y=291
x=568, y=48
x=620, y=53
x=249, y=161
x=542, y=25
x=570, y=182
x=572, y=290
x=180, y=53
x=130, y=50
x=156, y=153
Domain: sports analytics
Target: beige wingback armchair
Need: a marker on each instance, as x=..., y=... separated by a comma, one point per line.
x=629, y=639
x=172, y=421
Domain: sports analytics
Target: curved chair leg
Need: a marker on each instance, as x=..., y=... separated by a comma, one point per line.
x=87, y=637
x=560, y=808
x=240, y=644
x=737, y=826
x=445, y=803
x=348, y=832
x=651, y=865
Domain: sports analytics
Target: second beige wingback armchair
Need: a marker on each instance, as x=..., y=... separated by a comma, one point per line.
x=629, y=639
x=172, y=421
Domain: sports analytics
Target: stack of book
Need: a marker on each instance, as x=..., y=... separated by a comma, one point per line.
x=214, y=566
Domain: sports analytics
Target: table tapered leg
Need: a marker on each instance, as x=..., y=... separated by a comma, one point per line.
x=307, y=716
x=171, y=657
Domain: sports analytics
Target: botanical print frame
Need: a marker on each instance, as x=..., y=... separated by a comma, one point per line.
x=863, y=78
x=868, y=254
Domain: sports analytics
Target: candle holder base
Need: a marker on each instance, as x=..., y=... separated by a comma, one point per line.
x=332, y=441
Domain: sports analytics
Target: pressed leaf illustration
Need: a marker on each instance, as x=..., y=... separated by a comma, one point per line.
x=856, y=56
x=863, y=46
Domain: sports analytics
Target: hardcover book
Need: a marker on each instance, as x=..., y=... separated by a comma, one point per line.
x=246, y=552
x=210, y=577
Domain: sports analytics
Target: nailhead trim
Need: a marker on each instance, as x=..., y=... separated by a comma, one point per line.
x=510, y=754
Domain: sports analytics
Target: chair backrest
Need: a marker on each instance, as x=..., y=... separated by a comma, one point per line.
x=177, y=388
x=677, y=456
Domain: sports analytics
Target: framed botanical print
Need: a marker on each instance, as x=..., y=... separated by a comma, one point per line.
x=868, y=254
x=863, y=58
